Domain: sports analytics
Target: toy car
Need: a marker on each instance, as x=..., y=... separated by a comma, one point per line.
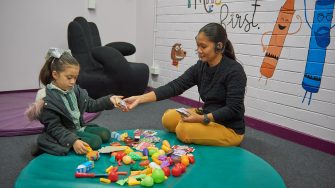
x=85, y=167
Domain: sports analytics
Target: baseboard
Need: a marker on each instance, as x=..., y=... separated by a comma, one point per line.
x=276, y=130
x=19, y=91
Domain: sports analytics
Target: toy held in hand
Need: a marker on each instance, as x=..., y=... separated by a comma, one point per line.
x=183, y=111
x=123, y=105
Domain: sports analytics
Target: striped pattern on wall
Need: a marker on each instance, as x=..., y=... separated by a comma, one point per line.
x=277, y=99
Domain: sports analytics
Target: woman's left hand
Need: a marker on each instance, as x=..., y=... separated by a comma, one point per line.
x=193, y=117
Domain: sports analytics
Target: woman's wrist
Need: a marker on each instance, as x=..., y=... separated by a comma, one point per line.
x=140, y=99
x=148, y=97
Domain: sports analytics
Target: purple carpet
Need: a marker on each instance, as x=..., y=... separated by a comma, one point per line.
x=13, y=122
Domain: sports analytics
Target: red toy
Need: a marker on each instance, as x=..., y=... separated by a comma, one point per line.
x=113, y=176
x=166, y=171
x=176, y=171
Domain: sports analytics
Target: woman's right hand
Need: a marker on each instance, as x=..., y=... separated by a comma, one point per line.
x=116, y=100
x=133, y=101
x=79, y=147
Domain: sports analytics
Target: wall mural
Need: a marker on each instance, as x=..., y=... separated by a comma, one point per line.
x=318, y=43
x=319, y=38
x=279, y=33
x=232, y=20
x=177, y=54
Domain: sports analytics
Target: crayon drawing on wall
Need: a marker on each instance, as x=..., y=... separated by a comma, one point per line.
x=318, y=43
x=276, y=44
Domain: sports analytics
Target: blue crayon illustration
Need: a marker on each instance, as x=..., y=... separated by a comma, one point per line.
x=319, y=41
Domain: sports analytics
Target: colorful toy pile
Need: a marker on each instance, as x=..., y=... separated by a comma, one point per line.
x=148, y=164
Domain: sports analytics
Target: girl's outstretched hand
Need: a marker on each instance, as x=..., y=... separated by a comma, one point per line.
x=79, y=147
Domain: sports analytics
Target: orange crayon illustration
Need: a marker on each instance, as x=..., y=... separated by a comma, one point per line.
x=279, y=33
x=177, y=54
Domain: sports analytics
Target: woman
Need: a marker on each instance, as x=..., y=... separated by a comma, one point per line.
x=221, y=83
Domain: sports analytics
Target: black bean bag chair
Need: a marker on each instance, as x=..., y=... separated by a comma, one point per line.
x=104, y=69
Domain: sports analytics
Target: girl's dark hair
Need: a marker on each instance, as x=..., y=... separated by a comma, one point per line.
x=216, y=33
x=56, y=64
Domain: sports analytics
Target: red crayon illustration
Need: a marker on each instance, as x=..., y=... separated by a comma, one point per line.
x=279, y=33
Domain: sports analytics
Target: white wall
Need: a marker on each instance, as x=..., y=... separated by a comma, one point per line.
x=29, y=28
x=279, y=100
x=145, y=31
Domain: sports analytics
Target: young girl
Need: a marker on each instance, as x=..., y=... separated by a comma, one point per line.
x=60, y=107
x=221, y=84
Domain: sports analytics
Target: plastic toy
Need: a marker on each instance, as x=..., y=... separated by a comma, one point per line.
x=184, y=160
x=137, y=157
x=143, y=144
x=128, y=150
x=89, y=175
x=144, y=172
x=85, y=167
x=88, y=148
x=136, y=167
x=166, y=143
x=133, y=181
x=123, y=105
x=122, y=182
x=165, y=164
x=191, y=158
x=176, y=171
x=166, y=171
x=110, y=149
x=104, y=180
x=154, y=165
x=93, y=155
x=115, y=144
x=144, y=163
x=181, y=166
x=176, y=159
x=112, y=159
x=113, y=168
x=116, y=135
x=113, y=176
x=137, y=135
x=93, y=175
x=126, y=159
x=145, y=152
x=158, y=175
x=118, y=156
x=147, y=181
x=123, y=136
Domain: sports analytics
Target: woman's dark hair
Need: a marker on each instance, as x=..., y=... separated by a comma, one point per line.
x=56, y=64
x=216, y=33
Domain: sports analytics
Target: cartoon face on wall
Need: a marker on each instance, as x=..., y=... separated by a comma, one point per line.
x=277, y=40
x=323, y=18
x=284, y=21
x=177, y=54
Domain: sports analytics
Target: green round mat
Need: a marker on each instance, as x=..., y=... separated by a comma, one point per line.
x=213, y=167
